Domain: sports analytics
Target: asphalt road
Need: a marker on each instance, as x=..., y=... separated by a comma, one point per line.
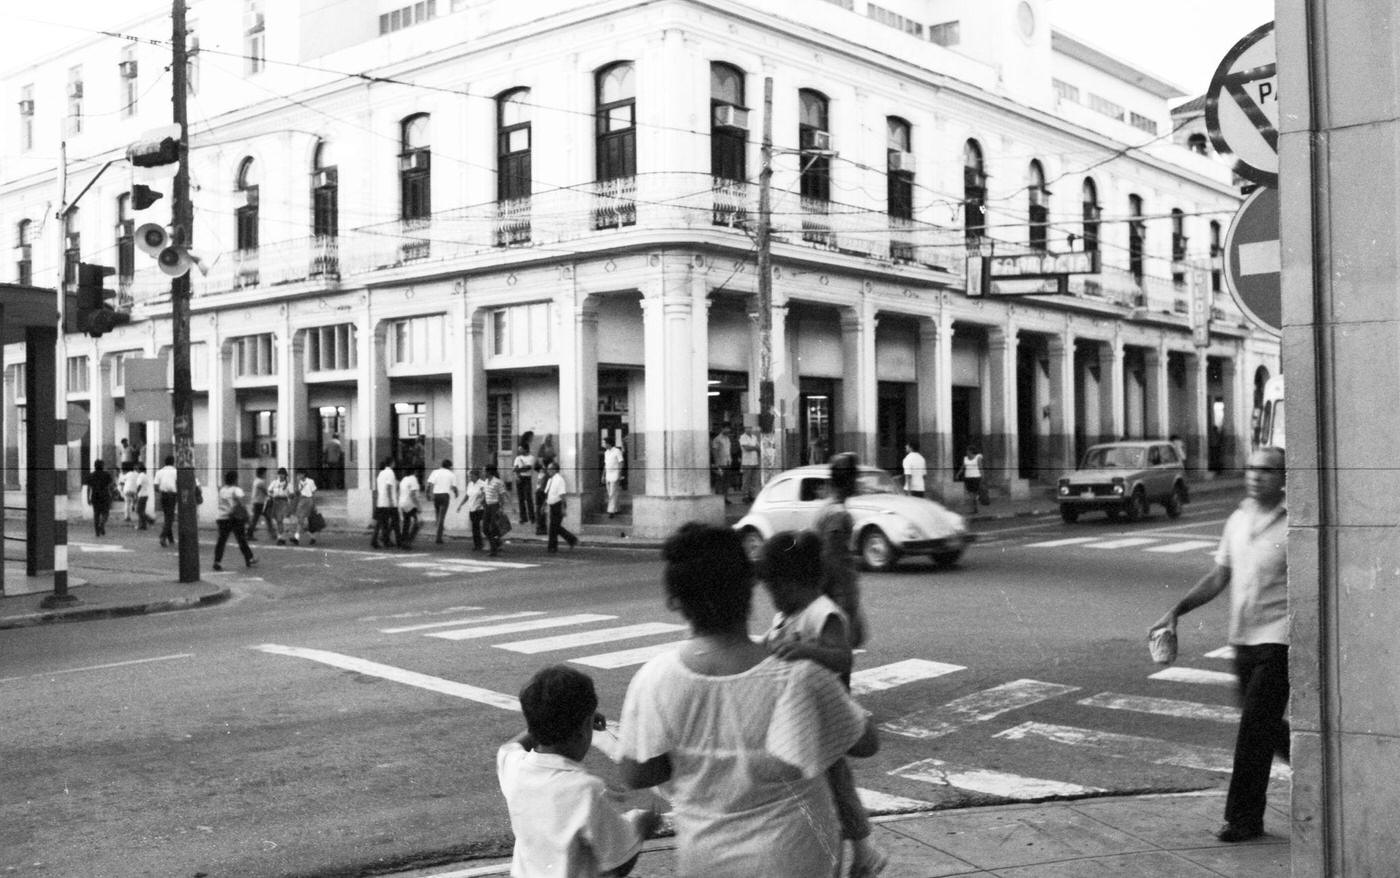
x=341, y=713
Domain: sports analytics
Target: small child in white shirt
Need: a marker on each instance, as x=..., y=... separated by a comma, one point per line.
x=810, y=625
x=565, y=823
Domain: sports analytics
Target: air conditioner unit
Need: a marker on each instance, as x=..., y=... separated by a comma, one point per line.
x=730, y=116
x=128, y=69
x=813, y=139
x=252, y=21
x=901, y=161
x=323, y=178
x=414, y=161
x=26, y=107
x=75, y=89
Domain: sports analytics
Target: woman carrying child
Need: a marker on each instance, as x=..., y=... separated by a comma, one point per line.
x=809, y=625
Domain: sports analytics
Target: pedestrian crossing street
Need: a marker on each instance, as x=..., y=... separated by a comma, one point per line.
x=596, y=640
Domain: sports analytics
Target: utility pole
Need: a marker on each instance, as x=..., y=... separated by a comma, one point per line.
x=768, y=424
x=182, y=220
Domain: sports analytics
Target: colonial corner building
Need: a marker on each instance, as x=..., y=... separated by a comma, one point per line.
x=431, y=230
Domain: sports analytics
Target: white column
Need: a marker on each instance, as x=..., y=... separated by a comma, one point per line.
x=458, y=334
x=859, y=389
x=1000, y=447
x=1157, y=389
x=1062, y=387
x=578, y=402
x=1111, y=393
x=223, y=411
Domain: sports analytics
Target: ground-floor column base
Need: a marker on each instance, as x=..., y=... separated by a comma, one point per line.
x=656, y=517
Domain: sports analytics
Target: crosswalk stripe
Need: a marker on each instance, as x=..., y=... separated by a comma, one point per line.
x=936, y=722
x=876, y=802
x=1068, y=541
x=1187, y=546
x=515, y=627
x=467, y=562
x=1163, y=707
x=994, y=783
x=1194, y=675
x=626, y=657
x=1124, y=543
x=897, y=674
x=499, y=617
x=1119, y=746
x=588, y=638
x=1224, y=652
x=398, y=675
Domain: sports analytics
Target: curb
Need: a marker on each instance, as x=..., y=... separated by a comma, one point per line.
x=84, y=614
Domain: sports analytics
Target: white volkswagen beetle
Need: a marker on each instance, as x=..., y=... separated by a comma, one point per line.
x=889, y=524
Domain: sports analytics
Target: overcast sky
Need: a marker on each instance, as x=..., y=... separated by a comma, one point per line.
x=1180, y=40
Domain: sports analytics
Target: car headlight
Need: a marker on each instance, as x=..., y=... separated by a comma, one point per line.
x=1118, y=486
x=1064, y=489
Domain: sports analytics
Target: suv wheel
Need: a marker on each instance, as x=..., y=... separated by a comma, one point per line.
x=1136, y=506
x=1174, y=503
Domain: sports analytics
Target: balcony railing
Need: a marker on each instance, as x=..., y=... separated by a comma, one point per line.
x=615, y=203
x=512, y=222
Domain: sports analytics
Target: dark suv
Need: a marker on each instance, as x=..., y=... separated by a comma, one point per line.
x=1124, y=478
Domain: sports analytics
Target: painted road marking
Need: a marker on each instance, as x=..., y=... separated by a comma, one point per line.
x=1187, y=546
x=876, y=802
x=975, y=708
x=1154, y=750
x=1163, y=707
x=99, y=548
x=1194, y=675
x=994, y=783
x=468, y=562
x=499, y=617
x=897, y=674
x=589, y=638
x=626, y=657
x=398, y=675
x=1070, y=541
x=1124, y=543
x=414, y=614
x=159, y=658
x=1224, y=652
x=514, y=627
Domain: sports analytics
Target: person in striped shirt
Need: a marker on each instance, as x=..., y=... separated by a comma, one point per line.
x=492, y=492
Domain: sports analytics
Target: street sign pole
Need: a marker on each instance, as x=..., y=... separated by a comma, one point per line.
x=60, y=596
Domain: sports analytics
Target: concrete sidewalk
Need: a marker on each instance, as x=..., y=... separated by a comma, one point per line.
x=1156, y=836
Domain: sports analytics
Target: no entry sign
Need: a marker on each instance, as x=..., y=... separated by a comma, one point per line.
x=1242, y=106
x=1252, y=260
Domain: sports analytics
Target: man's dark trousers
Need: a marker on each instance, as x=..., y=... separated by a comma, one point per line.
x=1262, y=670
x=168, y=501
x=557, y=529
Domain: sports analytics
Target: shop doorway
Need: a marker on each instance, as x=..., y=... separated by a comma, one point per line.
x=410, y=439
x=892, y=425
x=1027, y=413
x=966, y=426
x=817, y=414
x=330, y=446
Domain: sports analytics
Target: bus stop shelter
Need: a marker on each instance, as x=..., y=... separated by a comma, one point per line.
x=29, y=316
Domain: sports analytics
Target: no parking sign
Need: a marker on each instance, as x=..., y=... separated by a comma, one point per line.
x=1242, y=106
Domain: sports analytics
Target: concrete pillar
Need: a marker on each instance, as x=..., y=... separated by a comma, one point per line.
x=785, y=396
x=677, y=477
x=473, y=415
x=1060, y=454
x=931, y=385
x=102, y=411
x=41, y=438
x=1197, y=435
x=295, y=444
x=859, y=390
x=460, y=360
x=578, y=404
x=1000, y=448
x=1155, y=388
x=1234, y=430
x=1111, y=395
x=370, y=444
x=223, y=412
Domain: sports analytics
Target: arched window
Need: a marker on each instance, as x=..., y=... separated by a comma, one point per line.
x=126, y=239
x=1092, y=213
x=1179, y=242
x=814, y=138
x=899, y=167
x=325, y=193
x=1137, y=237
x=729, y=121
x=415, y=169
x=513, y=145
x=1038, y=207
x=616, y=122
x=246, y=214
x=1216, y=252
x=974, y=192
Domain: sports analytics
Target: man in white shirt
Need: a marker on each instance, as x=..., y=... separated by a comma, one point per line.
x=475, y=501
x=748, y=461
x=915, y=469
x=555, y=489
x=408, y=509
x=168, y=492
x=612, y=474
x=1252, y=562
x=524, y=468
x=386, y=507
x=442, y=484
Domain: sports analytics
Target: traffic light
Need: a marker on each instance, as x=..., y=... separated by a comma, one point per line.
x=158, y=151
x=89, y=309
